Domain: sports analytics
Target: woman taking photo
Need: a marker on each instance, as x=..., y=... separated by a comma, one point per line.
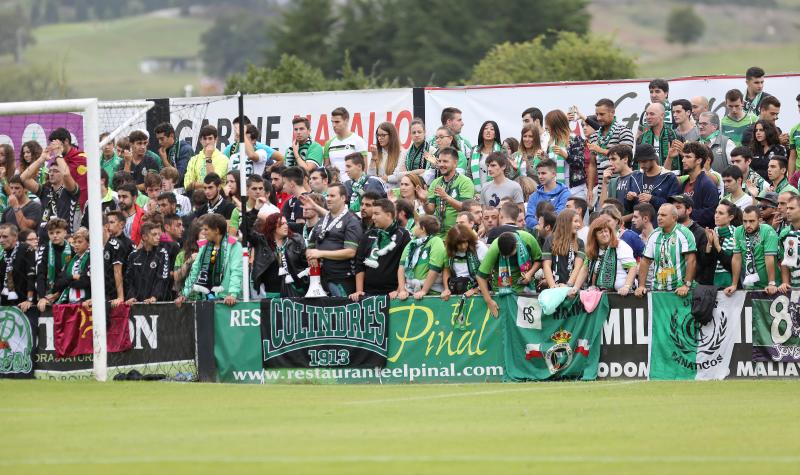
x=464, y=254
x=279, y=261
x=413, y=189
x=529, y=153
x=611, y=264
x=563, y=252
x=765, y=145
x=556, y=124
x=488, y=142
x=385, y=155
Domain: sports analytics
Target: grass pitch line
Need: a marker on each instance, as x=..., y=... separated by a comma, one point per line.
x=305, y=459
x=531, y=388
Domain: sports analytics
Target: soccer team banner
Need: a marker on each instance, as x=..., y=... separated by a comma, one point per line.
x=776, y=328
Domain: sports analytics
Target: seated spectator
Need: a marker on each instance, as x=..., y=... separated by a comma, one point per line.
x=721, y=242
x=671, y=250
x=18, y=268
x=500, y=186
x=74, y=284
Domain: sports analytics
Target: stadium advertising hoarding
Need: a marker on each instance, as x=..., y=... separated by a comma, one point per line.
x=504, y=104
x=162, y=337
x=273, y=114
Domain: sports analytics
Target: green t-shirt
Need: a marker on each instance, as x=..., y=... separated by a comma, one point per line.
x=722, y=277
x=783, y=186
x=733, y=129
x=460, y=188
x=789, y=241
x=490, y=262
x=764, y=243
x=110, y=166
x=308, y=151
x=432, y=257
x=667, y=250
x=794, y=144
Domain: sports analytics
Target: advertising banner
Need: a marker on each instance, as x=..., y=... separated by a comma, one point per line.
x=17, y=343
x=237, y=342
x=273, y=114
x=776, y=327
x=504, y=104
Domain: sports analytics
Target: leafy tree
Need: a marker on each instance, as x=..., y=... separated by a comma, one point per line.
x=304, y=30
x=234, y=40
x=33, y=83
x=15, y=19
x=684, y=25
x=291, y=74
x=568, y=59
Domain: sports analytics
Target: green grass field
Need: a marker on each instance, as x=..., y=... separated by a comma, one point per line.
x=102, y=58
x=602, y=427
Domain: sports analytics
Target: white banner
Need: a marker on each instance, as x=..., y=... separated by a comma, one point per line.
x=273, y=114
x=504, y=104
x=715, y=339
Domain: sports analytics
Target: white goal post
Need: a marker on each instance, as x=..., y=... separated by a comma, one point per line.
x=88, y=109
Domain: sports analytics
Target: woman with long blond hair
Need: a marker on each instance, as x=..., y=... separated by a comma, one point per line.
x=611, y=263
x=385, y=154
x=412, y=188
x=563, y=253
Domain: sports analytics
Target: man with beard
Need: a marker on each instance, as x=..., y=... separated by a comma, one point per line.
x=59, y=197
x=610, y=134
x=448, y=192
x=755, y=254
x=17, y=270
x=662, y=137
x=379, y=253
x=147, y=271
x=698, y=186
x=705, y=262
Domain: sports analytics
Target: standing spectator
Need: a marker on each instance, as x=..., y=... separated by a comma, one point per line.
x=127, y=194
x=652, y=182
x=488, y=143
x=721, y=146
x=794, y=145
x=706, y=262
x=385, y=155
x=28, y=154
x=776, y=173
x=699, y=105
x=443, y=139
x=789, y=242
x=215, y=202
x=61, y=146
x=732, y=178
x=29, y=237
x=174, y=153
x=736, y=118
x=343, y=143
x=412, y=188
x=698, y=186
x=549, y=190
x=259, y=155
x=610, y=134
x=359, y=181
x=628, y=236
x=499, y=186
x=414, y=161
x=304, y=152
x=513, y=258
x=276, y=180
x=318, y=181
x=283, y=260
x=662, y=137
x=22, y=212
x=109, y=160
x=671, y=250
x=770, y=110
x=209, y=160
x=406, y=217
x=580, y=206
x=659, y=94
x=684, y=123
x=186, y=258
x=754, y=94
x=765, y=145
x=74, y=284
x=147, y=272
x=622, y=186
x=464, y=255
x=421, y=264
x=556, y=124
x=533, y=117
x=51, y=259
x=611, y=265
x=507, y=222
x=753, y=183
x=721, y=242
x=576, y=164
x=490, y=220
x=293, y=179
x=755, y=253
x=563, y=252
x=169, y=178
x=115, y=256
x=447, y=192
x=453, y=121
x=138, y=163
x=18, y=270
x=60, y=197
x=379, y=253
x=524, y=161
x=217, y=271
x=333, y=243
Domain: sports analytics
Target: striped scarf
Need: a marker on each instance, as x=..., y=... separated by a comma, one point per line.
x=415, y=157
x=302, y=150
x=726, y=241
x=664, y=140
x=475, y=165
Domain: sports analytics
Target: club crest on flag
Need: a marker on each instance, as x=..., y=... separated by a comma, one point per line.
x=16, y=342
x=559, y=356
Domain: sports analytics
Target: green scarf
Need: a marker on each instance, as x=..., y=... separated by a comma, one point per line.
x=211, y=266
x=475, y=164
x=603, y=270
x=410, y=224
x=385, y=242
x=81, y=263
x=357, y=191
x=752, y=106
x=473, y=263
x=415, y=157
x=302, y=150
x=416, y=255
x=52, y=272
x=710, y=138
x=722, y=277
x=648, y=137
x=504, y=269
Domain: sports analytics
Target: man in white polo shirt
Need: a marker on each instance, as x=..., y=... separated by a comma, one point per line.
x=343, y=143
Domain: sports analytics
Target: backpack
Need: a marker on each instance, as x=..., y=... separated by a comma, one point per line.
x=704, y=299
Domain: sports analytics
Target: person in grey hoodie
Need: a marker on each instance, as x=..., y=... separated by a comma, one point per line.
x=550, y=190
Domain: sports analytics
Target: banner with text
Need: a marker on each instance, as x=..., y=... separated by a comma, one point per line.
x=505, y=103
x=237, y=342
x=776, y=327
x=17, y=342
x=326, y=332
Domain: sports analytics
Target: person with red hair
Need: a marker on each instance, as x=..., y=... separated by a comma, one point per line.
x=611, y=262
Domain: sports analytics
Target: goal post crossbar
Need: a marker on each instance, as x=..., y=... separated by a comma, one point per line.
x=142, y=106
x=88, y=109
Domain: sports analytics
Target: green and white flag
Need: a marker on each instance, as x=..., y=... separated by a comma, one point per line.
x=682, y=349
x=564, y=345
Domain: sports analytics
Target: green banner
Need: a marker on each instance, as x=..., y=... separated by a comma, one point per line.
x=427, y=343
x=237, y=343
x=776, y=327
x=673, y=337
x=564, y=345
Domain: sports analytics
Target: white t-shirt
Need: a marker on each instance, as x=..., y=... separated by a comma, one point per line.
x=625, y=261
x=336, y=149
x=461, y=268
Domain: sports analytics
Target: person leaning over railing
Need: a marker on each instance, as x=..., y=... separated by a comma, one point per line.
x=611, y=265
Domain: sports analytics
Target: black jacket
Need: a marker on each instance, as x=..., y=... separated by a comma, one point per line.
x=23, y=273
x=264, y=258
x=147, y=275
x=706, y=262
